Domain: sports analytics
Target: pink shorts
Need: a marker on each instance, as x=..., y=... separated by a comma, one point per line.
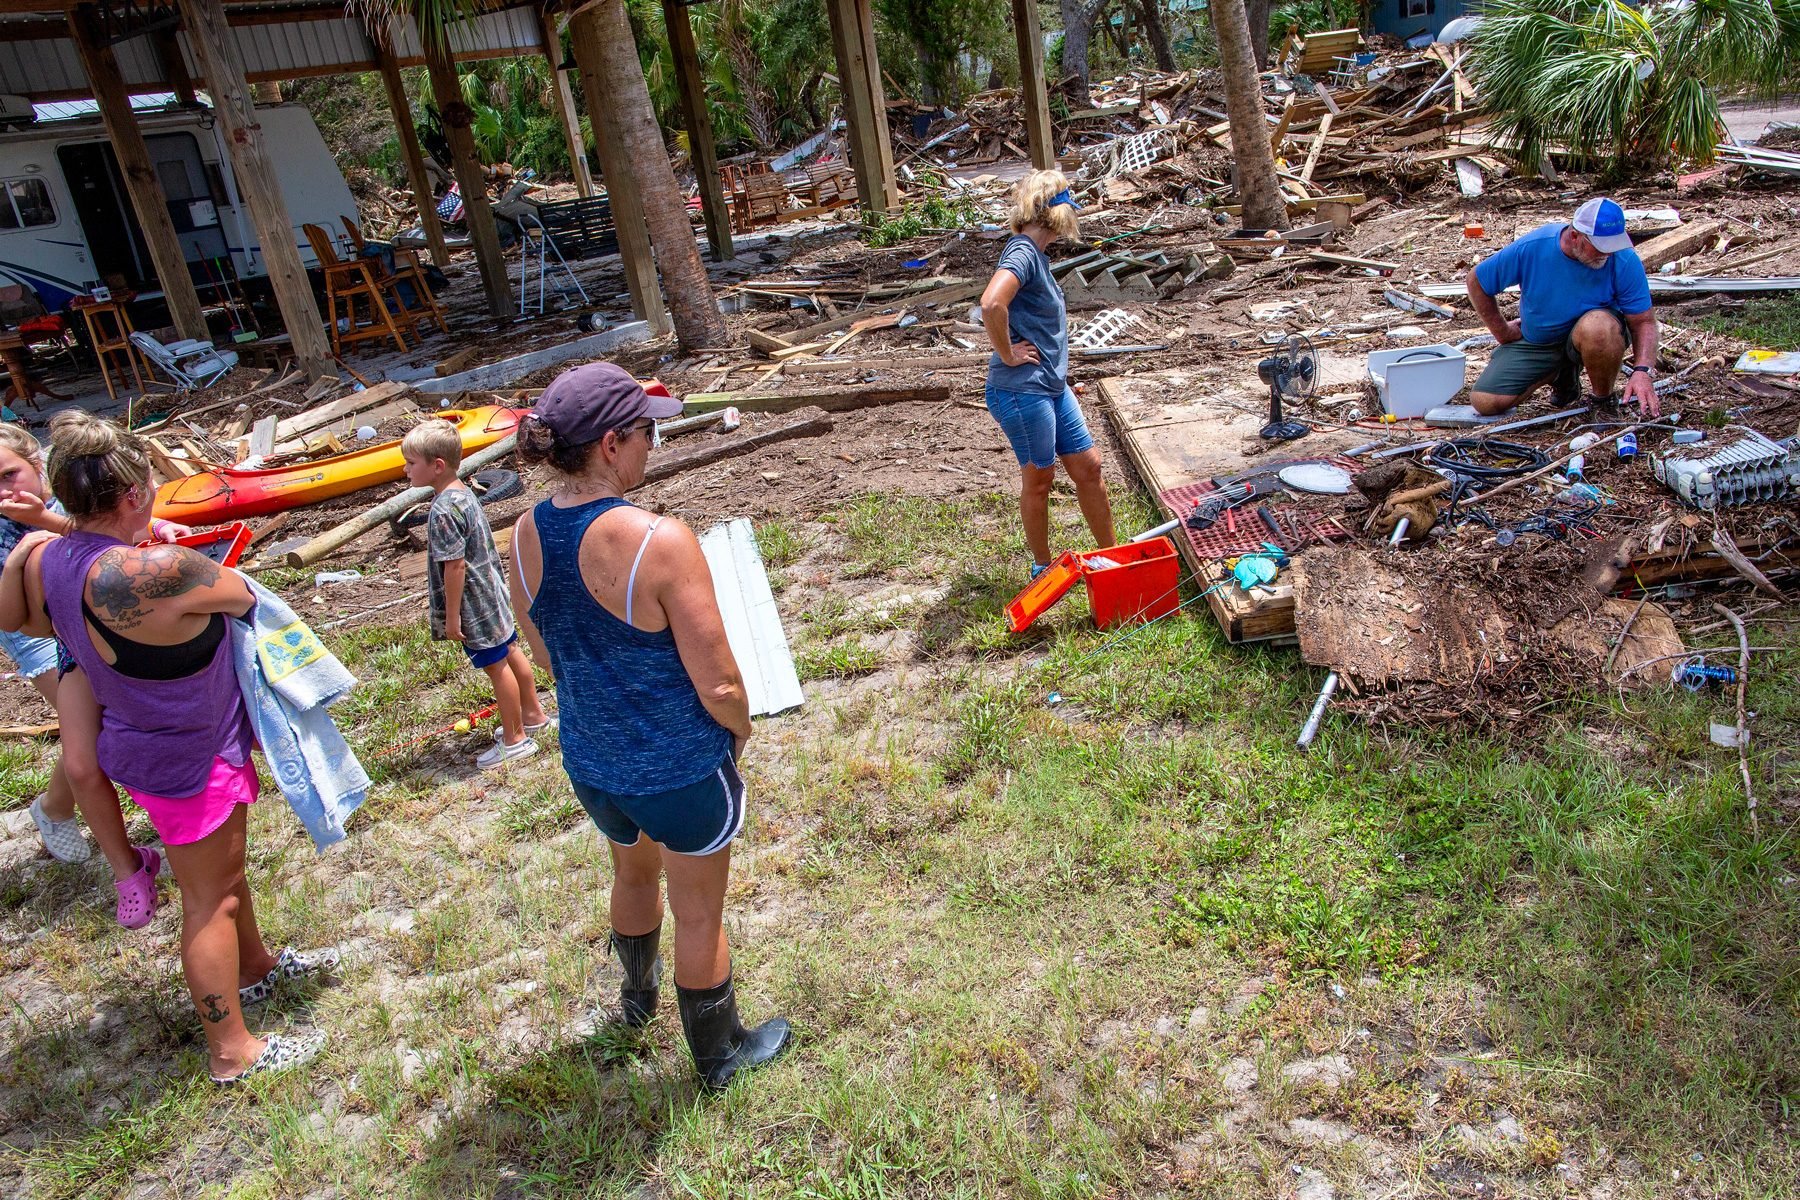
x=183, y=820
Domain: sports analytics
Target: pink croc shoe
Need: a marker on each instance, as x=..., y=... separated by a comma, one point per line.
x=137, y=895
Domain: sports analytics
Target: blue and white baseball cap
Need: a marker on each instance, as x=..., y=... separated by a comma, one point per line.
x=1604, y=223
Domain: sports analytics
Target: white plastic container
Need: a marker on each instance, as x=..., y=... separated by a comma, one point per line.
x=1414, y=380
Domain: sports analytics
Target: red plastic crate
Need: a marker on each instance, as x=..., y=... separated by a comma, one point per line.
x=1142, y=585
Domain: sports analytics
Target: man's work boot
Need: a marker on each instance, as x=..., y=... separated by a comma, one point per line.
x=720, y=1044
x=1566, y=391
x=643, y=976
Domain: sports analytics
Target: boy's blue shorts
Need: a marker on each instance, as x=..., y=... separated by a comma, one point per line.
x=493, y=654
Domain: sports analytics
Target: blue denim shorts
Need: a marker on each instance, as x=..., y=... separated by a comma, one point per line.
x=35, y=655
x=1041, y=429
x=699, y=819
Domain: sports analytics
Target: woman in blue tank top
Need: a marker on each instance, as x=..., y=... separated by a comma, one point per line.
x=653, y=710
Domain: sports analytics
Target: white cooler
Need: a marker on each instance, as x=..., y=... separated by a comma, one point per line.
x=1414, y=380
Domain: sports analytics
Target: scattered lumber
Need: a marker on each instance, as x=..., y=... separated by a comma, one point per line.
x=835, y=400
x=807, y=424
x=1678, y=242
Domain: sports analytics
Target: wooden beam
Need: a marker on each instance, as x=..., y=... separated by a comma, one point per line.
x=621, y=187
x=702, y=150
x=831, y=400
x=1033, y=97
x=478, y=214
x=565, y=107
x=141, y=183
x=223, y=66
x=400, y=108
x=865, y=105
x=1670, y=246
x=168, y=51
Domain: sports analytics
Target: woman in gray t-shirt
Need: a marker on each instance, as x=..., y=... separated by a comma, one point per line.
x=1028, y=376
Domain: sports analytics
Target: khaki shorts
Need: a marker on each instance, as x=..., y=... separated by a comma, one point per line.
x=1517, y=367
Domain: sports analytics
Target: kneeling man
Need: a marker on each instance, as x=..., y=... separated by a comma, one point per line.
x=1584, y=303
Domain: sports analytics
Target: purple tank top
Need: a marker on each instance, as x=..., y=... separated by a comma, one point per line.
x=156, y=735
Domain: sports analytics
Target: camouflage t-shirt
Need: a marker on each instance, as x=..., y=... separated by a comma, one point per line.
x=457, y=529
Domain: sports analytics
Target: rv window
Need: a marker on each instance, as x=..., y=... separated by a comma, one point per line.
x=28, y=204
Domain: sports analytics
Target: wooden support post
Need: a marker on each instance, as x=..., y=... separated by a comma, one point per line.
x=565, y=107
x=410, y=154
x=168, y=51
x=141, y=183
x=701, y=150
x=223, y=65
x=621, y=187
x=865, y=105
x=1032, y=94
x=478, y=214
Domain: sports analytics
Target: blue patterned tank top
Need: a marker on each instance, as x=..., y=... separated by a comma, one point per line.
x=631, y=721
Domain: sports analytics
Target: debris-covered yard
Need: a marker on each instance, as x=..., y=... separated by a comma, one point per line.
x=1059, y=913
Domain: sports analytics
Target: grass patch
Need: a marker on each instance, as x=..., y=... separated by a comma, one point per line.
x=1767, y=322
x=839, y=661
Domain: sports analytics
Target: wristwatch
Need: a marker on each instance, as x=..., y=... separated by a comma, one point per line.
x=1636, y=367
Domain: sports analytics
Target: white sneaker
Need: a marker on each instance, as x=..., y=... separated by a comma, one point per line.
x=549, y=722
x=63, y=839
x=501, y=753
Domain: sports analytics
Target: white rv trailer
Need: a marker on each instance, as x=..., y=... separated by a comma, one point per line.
x=66, y=223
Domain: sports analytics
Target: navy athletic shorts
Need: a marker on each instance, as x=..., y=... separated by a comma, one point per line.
x=701, y=818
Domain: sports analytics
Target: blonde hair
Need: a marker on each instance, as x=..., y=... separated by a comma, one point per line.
x=93, y=463
x=1031, y=205
x=22, y=443
x=434, y=438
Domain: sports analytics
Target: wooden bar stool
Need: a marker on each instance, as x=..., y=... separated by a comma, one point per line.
x=348, y=281
x=109, y=332
x=407, y=269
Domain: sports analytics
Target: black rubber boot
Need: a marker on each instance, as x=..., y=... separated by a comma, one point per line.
x=720, y=1044
x=1566, y=390
x=643, y=974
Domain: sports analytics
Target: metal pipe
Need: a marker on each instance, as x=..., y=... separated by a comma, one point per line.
x=1311, y=729
x=1484, y=431
x=1400, y=528
x=1158, y=531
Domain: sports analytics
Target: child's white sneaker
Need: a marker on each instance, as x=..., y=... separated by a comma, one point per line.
x=500, y=753
x=63, y=839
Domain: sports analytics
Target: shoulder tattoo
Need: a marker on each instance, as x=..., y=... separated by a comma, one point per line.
x=125, y=581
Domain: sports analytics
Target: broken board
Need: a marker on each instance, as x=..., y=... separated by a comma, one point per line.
x=1368, y=619
x=752, y=622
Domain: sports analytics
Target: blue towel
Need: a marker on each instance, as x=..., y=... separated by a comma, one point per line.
x=289, y=679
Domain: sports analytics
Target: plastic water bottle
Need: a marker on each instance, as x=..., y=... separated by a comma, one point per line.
x=1628, y=446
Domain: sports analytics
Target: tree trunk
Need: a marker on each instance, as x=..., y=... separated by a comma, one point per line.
x=1078, y=26
x=478, y=212
x=692, y=308
x=1257, y=13
x=1159, y=37
x=1261, y=195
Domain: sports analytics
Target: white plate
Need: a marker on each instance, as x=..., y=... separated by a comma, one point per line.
x=1320, y=478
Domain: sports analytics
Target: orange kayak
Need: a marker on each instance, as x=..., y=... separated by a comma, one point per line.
x=228, y=494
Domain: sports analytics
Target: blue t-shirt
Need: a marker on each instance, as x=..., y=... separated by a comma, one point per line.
x=1037, y=315
x=1555, y=290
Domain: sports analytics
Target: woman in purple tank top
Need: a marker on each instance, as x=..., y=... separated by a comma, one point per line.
x=147, y=626
x=653, y=710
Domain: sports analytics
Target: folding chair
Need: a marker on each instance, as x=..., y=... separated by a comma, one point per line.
x=191, y=364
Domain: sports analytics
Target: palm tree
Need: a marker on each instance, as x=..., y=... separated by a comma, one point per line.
x=1261, y=194
x=1624, y=86
x=686, y=288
